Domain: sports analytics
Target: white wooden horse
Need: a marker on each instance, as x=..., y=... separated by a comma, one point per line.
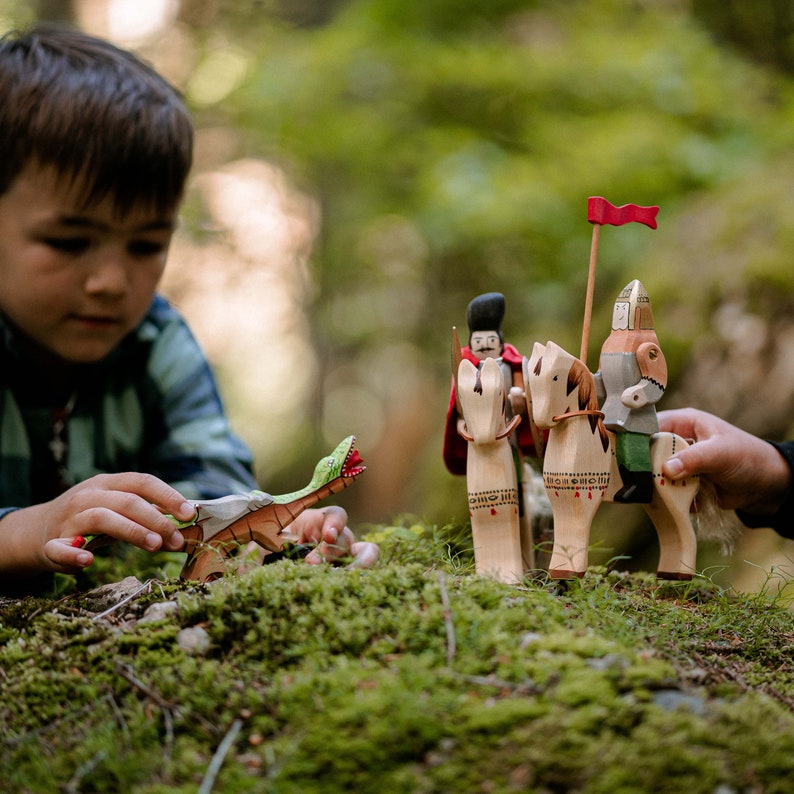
x=491, y=473
x=580, y=469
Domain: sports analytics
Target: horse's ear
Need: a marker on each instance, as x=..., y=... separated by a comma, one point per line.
x=553, y=347
x=532, y=364
x=466, y=368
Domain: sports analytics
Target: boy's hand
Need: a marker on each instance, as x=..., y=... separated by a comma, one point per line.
x=328, y=528
x=129, y=507
x=748, y=473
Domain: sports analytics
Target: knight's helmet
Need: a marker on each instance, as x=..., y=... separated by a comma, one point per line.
x=632, y=310
x=486, y=312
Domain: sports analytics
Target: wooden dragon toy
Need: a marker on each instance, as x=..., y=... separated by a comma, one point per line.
x=221, y=525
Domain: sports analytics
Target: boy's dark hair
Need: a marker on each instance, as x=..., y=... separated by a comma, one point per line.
x=95, y=113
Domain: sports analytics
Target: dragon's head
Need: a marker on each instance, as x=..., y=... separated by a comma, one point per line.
x=344, y=462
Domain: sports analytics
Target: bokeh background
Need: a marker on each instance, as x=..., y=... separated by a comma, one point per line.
x=365, y=167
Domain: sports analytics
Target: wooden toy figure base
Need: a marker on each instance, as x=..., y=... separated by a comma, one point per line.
x=580, y=469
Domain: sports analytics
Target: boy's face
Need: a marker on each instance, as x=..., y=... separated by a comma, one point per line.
x=76, y=280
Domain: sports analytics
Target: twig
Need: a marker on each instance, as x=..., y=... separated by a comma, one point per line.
x=126, y=673
x=170, y=710
x=448, y=624
x=220, y=755
x=82, y=771
x=13, y=741
x=730, y=673
x=522, y=688
x=114, y=707
x=168, y=723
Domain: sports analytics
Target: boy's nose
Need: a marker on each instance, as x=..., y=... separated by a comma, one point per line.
x=107, y=276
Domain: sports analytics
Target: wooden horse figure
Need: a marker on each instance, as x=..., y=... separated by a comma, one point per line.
x=580, y=470
x=491, y=474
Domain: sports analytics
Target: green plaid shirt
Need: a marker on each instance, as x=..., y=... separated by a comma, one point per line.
x=151, y=406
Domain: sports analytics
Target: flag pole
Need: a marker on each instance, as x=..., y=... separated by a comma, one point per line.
x=588, y=305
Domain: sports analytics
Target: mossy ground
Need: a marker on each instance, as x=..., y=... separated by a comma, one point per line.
x=417, y=676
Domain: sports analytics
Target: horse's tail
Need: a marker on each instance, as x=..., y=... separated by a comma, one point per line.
x=712, y=523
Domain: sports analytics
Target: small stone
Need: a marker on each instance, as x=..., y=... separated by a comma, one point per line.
x=673, y=699
x=612, y=661
x=528, y=638
x=159, y=611
x=193, y=640
x=107, y=596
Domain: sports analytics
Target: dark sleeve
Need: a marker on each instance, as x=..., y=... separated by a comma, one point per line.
x=783, y=521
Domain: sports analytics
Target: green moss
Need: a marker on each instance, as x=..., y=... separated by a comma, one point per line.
x=362, y=680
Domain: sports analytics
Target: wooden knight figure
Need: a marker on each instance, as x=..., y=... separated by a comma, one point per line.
x=631, y=379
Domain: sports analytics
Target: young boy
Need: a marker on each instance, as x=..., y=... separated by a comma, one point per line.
x=109, y=415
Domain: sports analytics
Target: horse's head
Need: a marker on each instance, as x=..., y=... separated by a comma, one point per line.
x=557, y=383
x=482, y=399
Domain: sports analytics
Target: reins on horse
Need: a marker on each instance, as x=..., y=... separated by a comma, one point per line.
x=583, y=412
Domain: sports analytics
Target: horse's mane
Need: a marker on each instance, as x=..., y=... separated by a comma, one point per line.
x=580, y=376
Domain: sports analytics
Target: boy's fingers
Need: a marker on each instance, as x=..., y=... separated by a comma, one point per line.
x=327, y=551
x=154, y=490
x=129, y=518
x=334, y=523
x=681, y=465
x=365, y=554
x=65, y=556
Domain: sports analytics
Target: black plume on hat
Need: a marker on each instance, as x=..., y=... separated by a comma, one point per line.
x=485, y=313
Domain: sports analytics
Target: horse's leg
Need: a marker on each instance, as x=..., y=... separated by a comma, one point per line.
x=493, y=506
x=669, y=512
x=571, y=539
x=575, y=472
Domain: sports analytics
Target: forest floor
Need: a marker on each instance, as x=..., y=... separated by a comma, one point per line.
x=416, y=676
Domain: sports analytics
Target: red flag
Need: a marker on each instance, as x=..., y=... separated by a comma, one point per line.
x=600, y=211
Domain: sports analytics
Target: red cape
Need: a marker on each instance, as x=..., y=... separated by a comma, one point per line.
x=455, y=447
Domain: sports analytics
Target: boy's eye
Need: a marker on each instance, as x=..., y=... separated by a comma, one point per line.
x=68, y=245
x=145, y=248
